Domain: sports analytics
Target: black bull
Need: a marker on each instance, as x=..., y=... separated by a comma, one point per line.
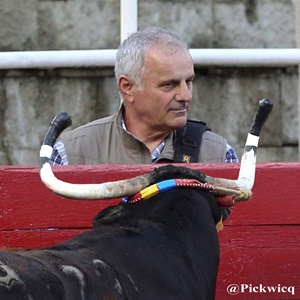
x=163, y=248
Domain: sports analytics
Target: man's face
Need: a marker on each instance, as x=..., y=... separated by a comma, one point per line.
x=167, y=85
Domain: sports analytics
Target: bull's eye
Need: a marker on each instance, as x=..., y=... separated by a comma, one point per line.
x=3, y=272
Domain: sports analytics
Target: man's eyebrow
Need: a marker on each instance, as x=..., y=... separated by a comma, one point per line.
x=176, y=80
x=173, y=80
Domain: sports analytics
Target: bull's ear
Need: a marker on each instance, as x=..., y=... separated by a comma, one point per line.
x=108, y=216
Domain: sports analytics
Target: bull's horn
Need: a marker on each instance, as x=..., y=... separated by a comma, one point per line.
x=246, y=176
x=106, y=190
x=124, y=188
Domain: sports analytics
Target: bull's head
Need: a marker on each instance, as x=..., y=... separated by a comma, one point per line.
x=123, y=188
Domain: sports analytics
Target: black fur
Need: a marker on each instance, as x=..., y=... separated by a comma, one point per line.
x=165, y=247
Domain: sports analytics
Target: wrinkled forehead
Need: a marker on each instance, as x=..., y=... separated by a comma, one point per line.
x=162, y=56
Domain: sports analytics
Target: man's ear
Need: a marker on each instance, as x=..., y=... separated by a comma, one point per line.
x=126, y=87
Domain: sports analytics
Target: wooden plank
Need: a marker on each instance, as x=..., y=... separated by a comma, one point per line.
x=31, y=205
x=27, y=204
x=275, y=199
x=259, y=245
x=259, y=255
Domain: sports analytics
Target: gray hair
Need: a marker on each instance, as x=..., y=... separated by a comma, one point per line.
x=131, y=53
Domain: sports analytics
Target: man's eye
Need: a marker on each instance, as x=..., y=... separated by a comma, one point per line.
x=168, y=84
x=189, y=82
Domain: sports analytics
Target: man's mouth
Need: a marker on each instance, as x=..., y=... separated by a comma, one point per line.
x=181, y=109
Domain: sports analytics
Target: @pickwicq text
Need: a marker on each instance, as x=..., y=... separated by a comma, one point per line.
x=234, y=289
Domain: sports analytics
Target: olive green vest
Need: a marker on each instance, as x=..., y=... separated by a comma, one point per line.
x=104, y=141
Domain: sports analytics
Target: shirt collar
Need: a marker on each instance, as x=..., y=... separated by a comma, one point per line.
x=157, y=151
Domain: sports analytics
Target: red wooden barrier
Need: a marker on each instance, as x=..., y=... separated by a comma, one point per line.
x=259, y=244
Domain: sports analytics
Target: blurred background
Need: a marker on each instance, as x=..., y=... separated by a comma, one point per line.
x=225, y=97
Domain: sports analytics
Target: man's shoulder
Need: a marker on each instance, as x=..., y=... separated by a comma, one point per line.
x=213, y=137
x=213, y=147
x=89, y=128
x=204, y=130
x=199, y=130
x=102, y=121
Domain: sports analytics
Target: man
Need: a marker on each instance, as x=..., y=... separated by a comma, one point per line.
x=155, y=73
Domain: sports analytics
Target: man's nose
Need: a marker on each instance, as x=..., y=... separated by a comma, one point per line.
x=184, y=92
